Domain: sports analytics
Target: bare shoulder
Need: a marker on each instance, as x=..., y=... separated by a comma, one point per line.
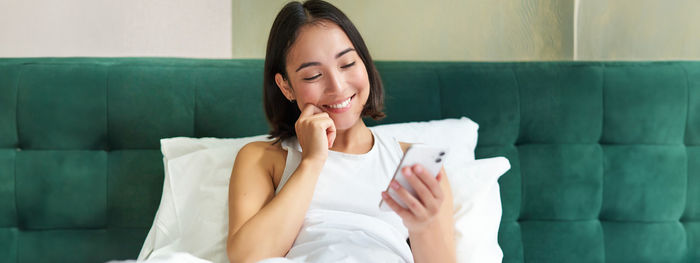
x=259, y=146
x=265, y=155
x=268, y=150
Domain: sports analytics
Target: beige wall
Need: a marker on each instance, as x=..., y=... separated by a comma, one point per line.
x=638, y=30
x=174, y=28
x=443, y=30
x=501, y=30
x=446, y=30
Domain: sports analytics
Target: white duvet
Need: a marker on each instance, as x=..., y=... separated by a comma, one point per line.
x=175, y=257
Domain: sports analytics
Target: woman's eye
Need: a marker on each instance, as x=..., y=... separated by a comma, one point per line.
x=313, y=78
x=348, y=65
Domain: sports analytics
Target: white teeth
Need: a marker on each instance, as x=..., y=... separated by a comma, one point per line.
x=340, y=105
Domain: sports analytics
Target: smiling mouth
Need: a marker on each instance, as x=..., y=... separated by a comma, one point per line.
x=341, y=105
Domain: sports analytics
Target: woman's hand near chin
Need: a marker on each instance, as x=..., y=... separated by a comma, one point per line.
x=255, y=210
x=316, y=133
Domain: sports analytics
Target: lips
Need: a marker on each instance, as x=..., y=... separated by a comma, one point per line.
x=339, y=106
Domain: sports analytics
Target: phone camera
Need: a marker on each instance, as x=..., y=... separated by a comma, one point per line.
x=442, y=153
x=438, y=160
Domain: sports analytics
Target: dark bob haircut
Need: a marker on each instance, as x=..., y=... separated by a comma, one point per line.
x=283, y=114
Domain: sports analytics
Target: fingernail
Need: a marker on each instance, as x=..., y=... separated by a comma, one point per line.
x=394, y=185
x=418, y=169
x=408, y=173
x=385, y=195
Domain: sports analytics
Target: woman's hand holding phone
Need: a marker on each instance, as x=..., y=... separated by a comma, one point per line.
x=316, y=133
x=415, y=193
x=423, y=208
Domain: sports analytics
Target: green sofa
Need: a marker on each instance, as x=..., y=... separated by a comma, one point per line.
x=605, y=155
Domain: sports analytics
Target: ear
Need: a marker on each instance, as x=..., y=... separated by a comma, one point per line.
x=283, y=84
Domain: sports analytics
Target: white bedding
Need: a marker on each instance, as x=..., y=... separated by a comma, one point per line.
x=193, y=214
x=175, y=257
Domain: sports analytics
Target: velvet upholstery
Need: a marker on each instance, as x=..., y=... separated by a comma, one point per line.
x=605, y=156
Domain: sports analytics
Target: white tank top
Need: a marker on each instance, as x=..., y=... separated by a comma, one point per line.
x=344, y=222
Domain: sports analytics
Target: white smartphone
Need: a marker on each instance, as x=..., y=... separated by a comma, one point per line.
x=430, y=157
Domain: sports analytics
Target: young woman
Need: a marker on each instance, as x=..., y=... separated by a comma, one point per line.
x=313, y=194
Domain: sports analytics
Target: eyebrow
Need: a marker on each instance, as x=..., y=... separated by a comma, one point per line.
x=343, y=52
x=308, y=64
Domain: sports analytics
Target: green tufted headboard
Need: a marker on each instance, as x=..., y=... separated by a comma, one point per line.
x=605, y=155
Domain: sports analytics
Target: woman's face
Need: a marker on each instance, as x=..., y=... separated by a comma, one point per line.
x=324, y=69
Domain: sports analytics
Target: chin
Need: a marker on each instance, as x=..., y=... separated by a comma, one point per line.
x=344, y=123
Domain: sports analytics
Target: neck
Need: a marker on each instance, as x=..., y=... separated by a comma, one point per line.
x=357, y=139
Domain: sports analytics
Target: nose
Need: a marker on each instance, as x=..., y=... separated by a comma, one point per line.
x=334, y=82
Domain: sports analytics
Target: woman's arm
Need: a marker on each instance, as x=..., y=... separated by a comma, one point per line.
x=428, y=216
x=262, y=225
x=425, y=245
x=436, y=242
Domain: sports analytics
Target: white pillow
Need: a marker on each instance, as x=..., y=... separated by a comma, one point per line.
x=477, y=209
x=193, y=214
x=457, y=135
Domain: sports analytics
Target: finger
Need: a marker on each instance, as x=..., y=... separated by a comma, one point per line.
x=309, y=110
x=401, y=211
x=429, y=180
x=441, y=175
x=317, y=109
x=306, y=111
x=320, y=115
x=424, y=194
x=328, y=125
x=322, y=120
x=413, y=204
x=331, y=133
